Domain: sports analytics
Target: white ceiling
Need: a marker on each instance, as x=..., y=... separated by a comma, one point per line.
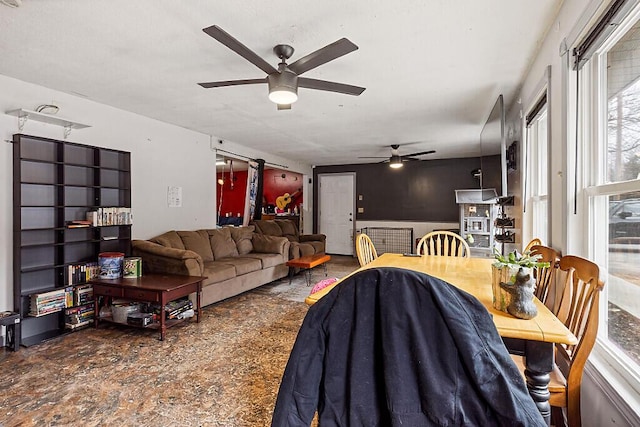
x=432, y=68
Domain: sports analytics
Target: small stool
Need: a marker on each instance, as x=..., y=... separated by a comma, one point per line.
x=12, y=322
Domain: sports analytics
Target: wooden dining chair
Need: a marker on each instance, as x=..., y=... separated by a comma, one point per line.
x=365, y=249
x=443, y=243
x=535, y=241
x=545, y=276
x=579, y=312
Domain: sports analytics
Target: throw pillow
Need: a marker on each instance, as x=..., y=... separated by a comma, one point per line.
x=170, y=239
x=288, y=229
x=222, y=244
x=242, y=236
x=198, y=242
x=270, y=228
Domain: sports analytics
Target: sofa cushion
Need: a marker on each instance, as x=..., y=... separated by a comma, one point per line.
x=269, y=227
x=222, y=244
x=266, y=244
x=170, y=239
x=289, y=229
x=317, y=246
x=198, y=242
x=268, y=260
x=218, y=271
x=243, y=265
x=242, y=236
x=307, y=249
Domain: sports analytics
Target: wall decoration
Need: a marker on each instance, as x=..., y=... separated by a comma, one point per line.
x=512, y=157
x=252, y=192
x=174, y=197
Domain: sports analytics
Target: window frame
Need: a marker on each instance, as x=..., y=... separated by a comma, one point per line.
x=541, y=91
x=611, y=365
x=538, y=173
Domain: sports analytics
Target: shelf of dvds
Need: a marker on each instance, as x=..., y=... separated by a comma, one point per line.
x=55, y=184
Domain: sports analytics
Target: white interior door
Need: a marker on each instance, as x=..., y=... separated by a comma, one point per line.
x=336, y=215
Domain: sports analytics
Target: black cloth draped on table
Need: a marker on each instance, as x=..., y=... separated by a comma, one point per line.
x=394, y=347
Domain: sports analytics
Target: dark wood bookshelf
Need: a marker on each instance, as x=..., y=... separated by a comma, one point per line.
x=54, y=183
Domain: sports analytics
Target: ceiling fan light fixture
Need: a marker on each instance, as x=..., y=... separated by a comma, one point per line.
x=395, y=162
x=282, y=96
x=283, y=87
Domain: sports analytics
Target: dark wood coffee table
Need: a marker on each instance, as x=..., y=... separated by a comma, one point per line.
x=152, y=288
x=307, y=263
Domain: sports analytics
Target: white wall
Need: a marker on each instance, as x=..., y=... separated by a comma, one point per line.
x=162, y=155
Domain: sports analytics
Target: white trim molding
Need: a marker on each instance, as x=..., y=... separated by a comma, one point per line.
x=618, y=391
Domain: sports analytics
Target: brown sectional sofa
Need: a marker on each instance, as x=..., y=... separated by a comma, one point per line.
x=234, y=259
x=301, y=244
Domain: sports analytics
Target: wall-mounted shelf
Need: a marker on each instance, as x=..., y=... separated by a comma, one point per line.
x=24, y=115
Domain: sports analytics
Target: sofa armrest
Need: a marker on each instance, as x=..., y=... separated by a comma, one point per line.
x=271, y=245
x=313, y=238
x=161, y=259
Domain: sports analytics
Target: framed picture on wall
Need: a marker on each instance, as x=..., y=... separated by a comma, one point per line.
x=512, y=157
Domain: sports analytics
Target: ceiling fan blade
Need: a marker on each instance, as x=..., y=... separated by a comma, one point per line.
x=229, y=41
x=421, y=153
x=373, y=157
x=284, y=107
x=323, y=55
x=232, y=83
x=329, y=86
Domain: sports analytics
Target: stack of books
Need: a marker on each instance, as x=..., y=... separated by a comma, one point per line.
x=48, y=302
x=81, y=315
x=82, y=294
x=175, y=309
x=79, y=223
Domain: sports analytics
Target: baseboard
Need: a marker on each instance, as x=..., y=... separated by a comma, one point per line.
x=606, y=380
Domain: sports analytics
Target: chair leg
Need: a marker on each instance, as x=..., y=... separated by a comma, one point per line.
x=573, y=412
x=558, y=417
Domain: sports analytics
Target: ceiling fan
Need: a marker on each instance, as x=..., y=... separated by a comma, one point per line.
x=284, y=81
x=395, y=161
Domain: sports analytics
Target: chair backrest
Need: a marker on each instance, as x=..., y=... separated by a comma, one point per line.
x=579, y=312
x=534, y=242
x=545, y=275
x=365, y=250
x=443, y=243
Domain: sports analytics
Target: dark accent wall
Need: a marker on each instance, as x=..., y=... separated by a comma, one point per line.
x=419, y=191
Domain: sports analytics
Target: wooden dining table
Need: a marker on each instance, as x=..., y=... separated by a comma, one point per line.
x=534, y=338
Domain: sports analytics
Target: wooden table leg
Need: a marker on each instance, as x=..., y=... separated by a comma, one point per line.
x=163, y=315
x=538, y=366
x=96, y=311
x=198, y=306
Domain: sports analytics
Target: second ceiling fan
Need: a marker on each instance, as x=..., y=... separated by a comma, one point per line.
x=395, y=161
x=284, y=81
